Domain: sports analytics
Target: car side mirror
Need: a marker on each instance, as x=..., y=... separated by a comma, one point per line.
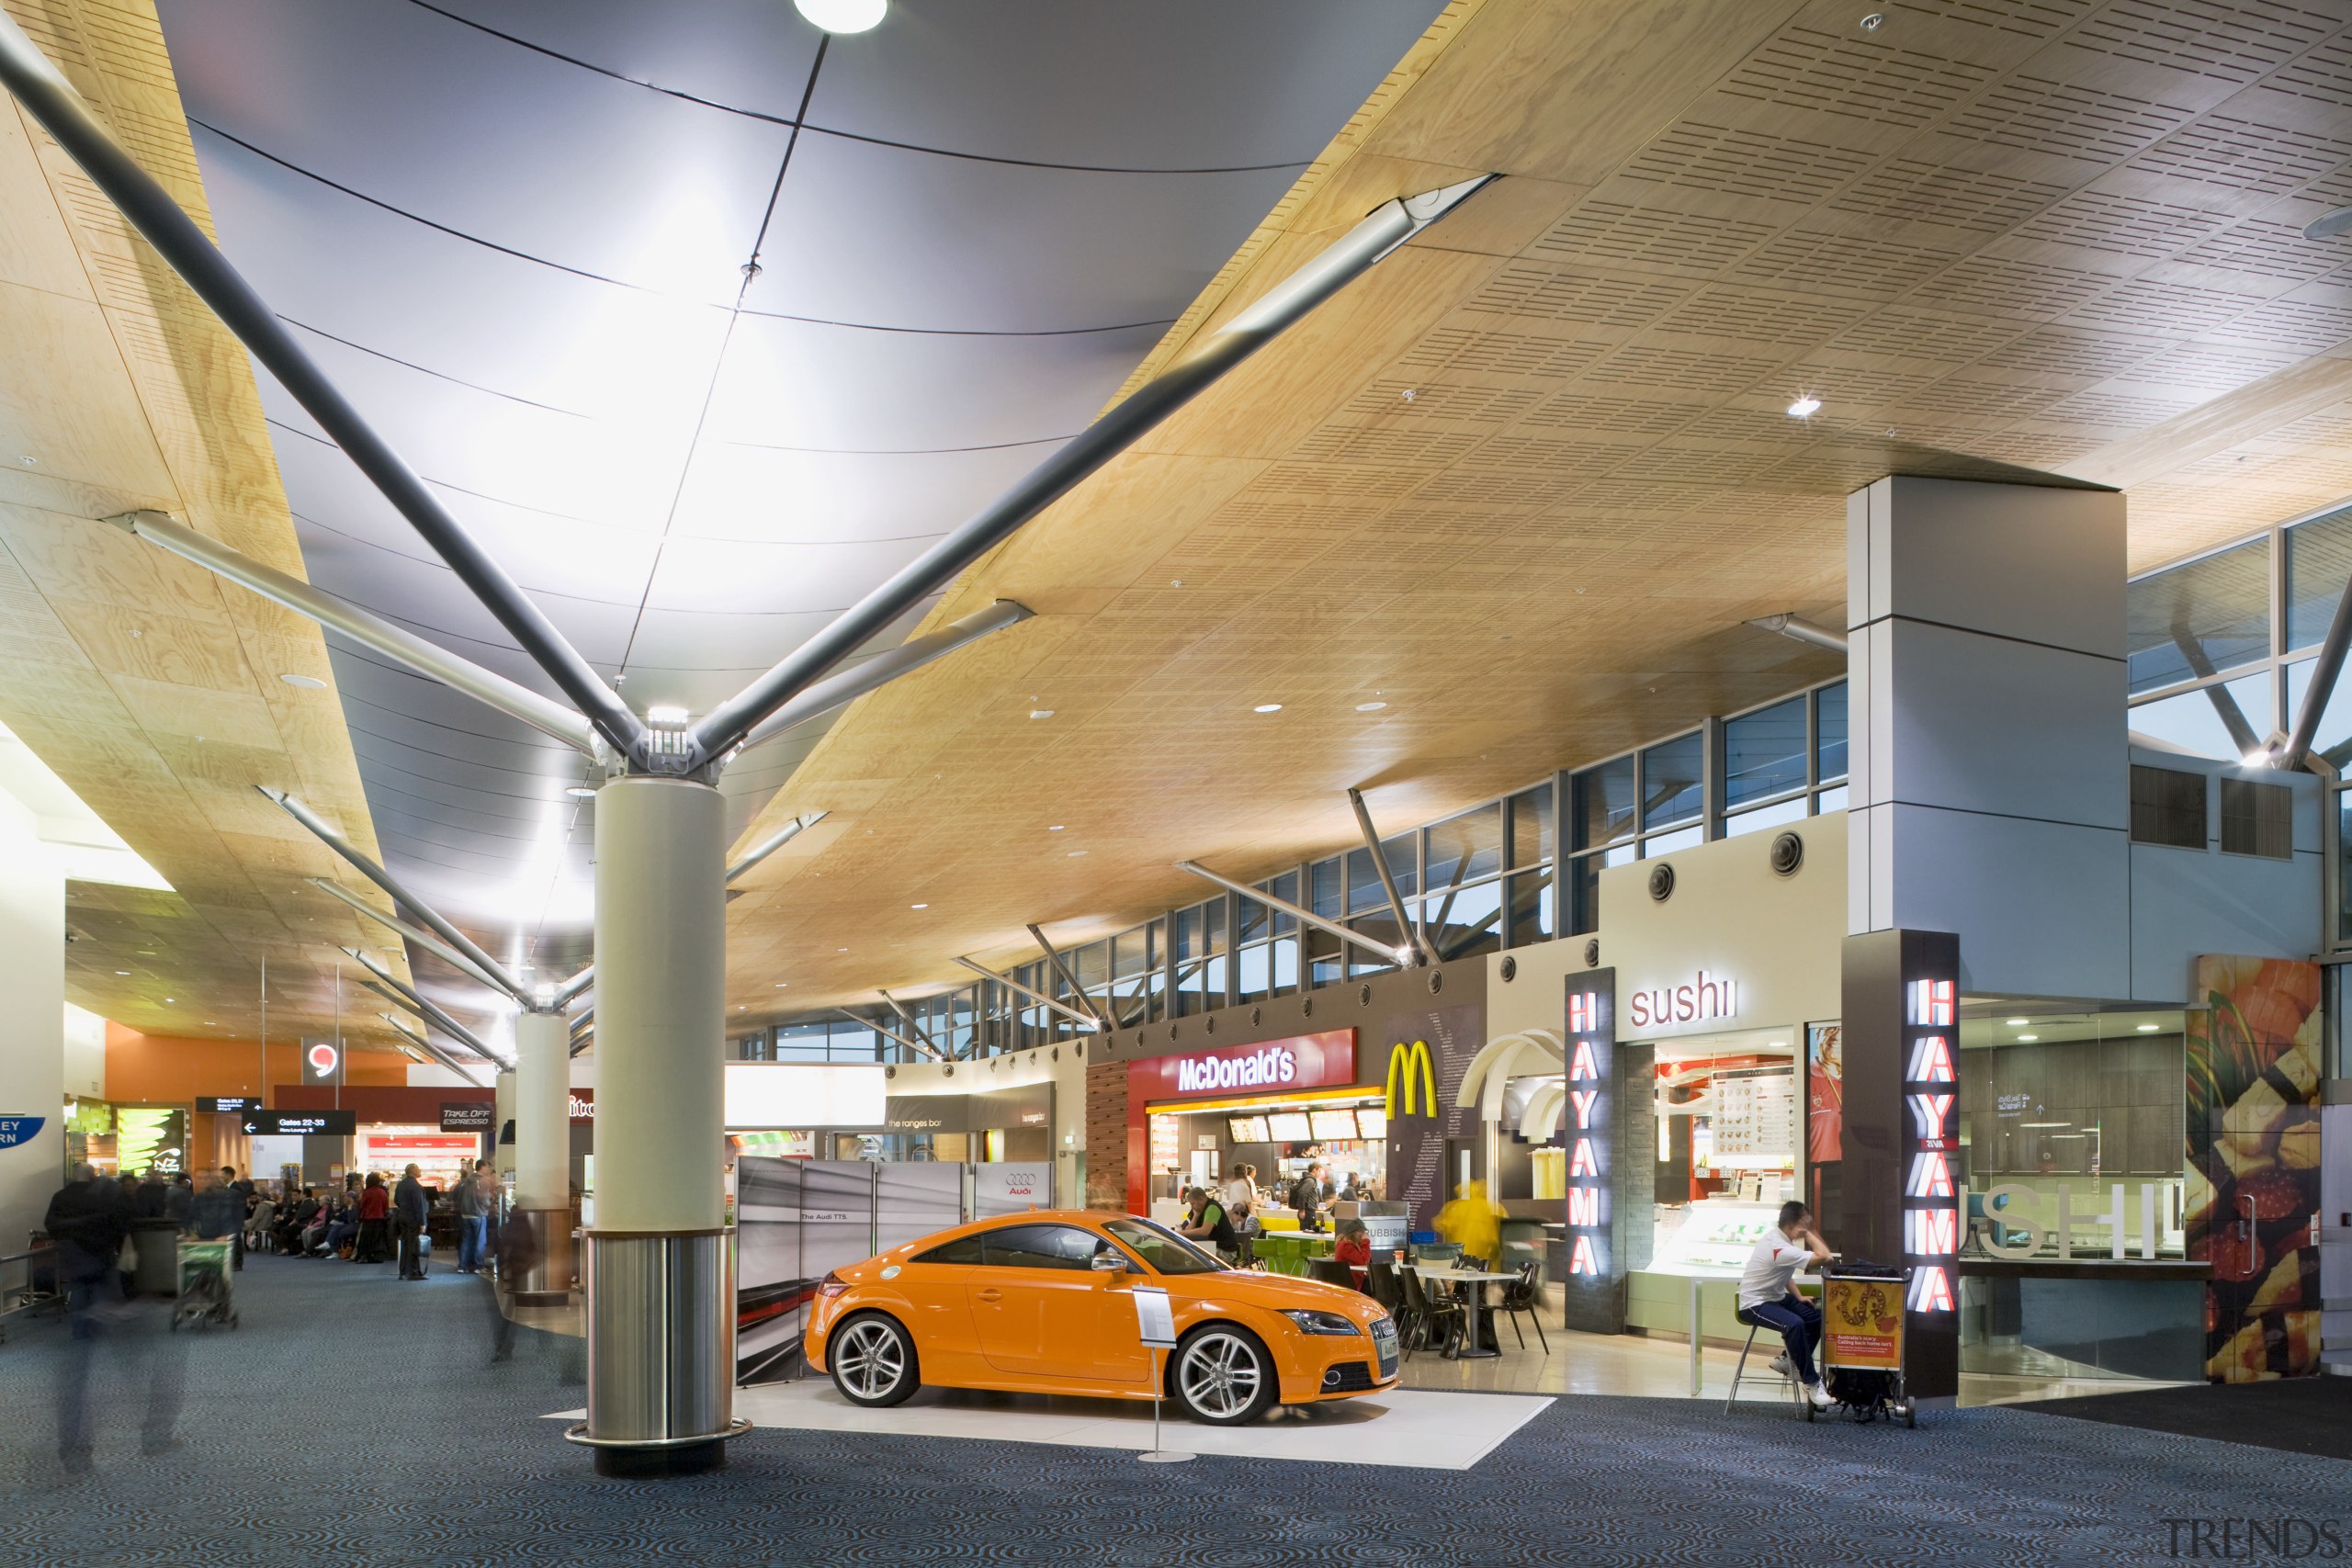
x=1109, y=1261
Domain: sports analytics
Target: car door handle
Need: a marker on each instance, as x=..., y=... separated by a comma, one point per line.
x=991, y=1294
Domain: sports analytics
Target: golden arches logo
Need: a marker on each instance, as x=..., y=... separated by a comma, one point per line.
x=1411, y=1064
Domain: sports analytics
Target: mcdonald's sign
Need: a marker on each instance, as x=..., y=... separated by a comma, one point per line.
x=1410, y=1066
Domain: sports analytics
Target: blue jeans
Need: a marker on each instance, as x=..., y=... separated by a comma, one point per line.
x=1798, y=1322
x=473, y=1232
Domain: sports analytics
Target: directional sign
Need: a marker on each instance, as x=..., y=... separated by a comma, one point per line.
x=14, y=1130
x=328, y=1123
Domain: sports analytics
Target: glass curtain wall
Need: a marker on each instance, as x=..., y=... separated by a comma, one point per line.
x=1479, y=880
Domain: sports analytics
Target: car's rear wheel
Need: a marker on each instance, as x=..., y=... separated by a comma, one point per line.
x=873, y=1360
x=1222, y=1376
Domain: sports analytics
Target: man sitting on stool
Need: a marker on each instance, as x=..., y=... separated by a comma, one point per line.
x=1766, y=1301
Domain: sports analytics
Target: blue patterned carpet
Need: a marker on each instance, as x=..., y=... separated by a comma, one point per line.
x=354, y=1420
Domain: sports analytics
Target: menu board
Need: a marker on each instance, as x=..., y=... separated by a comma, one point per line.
x=1755, y=1116
x=1289, y=1127
x=1371, y=1123
x=1333, y=1123
x=1247, y=1129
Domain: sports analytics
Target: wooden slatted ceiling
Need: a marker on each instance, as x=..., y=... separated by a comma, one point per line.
x=149, y=687
x=1523, y=482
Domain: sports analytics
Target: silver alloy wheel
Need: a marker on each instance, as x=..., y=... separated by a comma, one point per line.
x=1220, y=1375
x=870, y=1358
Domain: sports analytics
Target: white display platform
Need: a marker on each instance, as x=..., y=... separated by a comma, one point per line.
x=1413, y=1428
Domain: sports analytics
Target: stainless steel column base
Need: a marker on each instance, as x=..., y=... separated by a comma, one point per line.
x=661, y=1350
x=547, y=1282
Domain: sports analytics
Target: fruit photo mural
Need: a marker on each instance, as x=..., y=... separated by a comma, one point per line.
x=2253, y=1195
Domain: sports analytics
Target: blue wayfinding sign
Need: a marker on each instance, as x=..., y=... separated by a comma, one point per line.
x=14, y=1130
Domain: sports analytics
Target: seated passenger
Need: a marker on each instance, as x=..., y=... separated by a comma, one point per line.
x=1355, y=1249
x=1766, y=1301
x=1207, y=1222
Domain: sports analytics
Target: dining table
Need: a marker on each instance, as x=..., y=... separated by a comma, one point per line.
x=1474, y=1346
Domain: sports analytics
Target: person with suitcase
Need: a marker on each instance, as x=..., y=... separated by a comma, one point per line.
x=410, y=1208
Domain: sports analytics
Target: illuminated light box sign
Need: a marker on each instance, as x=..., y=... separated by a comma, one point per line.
x=1930, y=1140
x=805, y=1094
x=1595, y=1282
x=1301, y=1061
x=307, y=1123
x=1705, y=997
x=231, y=1103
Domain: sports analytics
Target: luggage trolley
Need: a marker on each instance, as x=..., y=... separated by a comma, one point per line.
x=1861, y=1342
x=205, y=1294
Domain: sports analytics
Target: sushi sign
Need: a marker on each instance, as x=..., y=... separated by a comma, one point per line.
x=1930, y=1142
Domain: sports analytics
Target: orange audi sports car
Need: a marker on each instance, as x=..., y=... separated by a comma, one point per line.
x=1043, y=1302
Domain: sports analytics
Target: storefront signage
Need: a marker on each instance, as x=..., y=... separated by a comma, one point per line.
x=1302, y=1060
x=1705, y=997
x=1025, y=1105
x=231, y=1103
x=322, y=1062
x=1410, y=1068
x=1594, y=1282
x=580, y=1108
x=319, y=1123
x=16, y=1130
x=1932, y=1142
x=467, y=1115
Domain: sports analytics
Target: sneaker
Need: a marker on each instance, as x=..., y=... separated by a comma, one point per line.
x=1819, y=1396
x=1780, y=1364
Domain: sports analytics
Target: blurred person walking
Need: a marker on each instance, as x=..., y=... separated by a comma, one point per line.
x=411, y=1209
x=518, y=1253
x=88, y=1219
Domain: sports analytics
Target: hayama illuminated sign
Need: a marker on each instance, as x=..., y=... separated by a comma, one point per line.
x=1930, y=1142
x=1592, y=1279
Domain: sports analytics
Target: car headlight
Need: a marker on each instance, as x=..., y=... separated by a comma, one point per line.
x=1319, y=1322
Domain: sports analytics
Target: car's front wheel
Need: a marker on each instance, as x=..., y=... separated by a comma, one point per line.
x=873, y=1360
x=1222, y=1376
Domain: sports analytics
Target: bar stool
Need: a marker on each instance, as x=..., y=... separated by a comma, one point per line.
x=1795, y=1391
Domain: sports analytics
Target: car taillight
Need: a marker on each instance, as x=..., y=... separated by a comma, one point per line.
x=831, y=1285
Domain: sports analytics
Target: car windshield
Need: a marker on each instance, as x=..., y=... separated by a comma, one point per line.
x=1167, y=1252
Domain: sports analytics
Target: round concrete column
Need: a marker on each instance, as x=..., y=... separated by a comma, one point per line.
x=543, y=1154
x=659, y=1273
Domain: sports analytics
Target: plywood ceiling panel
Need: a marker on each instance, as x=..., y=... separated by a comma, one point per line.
x=1526, y=501
x=149, y=688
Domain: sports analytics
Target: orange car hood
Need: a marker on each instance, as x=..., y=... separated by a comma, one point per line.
x=1275, y=1292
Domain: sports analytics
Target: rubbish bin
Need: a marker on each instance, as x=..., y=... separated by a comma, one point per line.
x=155, y=1246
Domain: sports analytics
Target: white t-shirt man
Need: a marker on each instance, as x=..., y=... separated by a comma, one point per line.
x=1771, y=1265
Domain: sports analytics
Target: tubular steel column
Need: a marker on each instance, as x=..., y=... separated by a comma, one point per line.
x=543, y=1154
x=660, y=1263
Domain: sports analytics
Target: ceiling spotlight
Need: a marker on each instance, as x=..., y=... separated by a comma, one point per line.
x=2016, y=1022
x=2328, y=226
x=665, y=713
x=918, y=906
x=1804, y=407
x=783, y=984
x=1041, y=713
x=841, y=15
x=308, y=682
x=1267, y=708
x=1404, y=955
x=2029, y=1039
x=1075, y=853
x=122, y=972
x=1370, y=708
x=2150, y=1028
x=169, y=999
x=1056, y=827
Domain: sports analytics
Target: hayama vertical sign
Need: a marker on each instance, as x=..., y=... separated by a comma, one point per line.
x=1931, y=1141
x=1595, y=1282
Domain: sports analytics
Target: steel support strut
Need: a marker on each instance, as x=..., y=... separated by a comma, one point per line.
x=51, y=100
x=1400, y=956
x=1084, y=1020
x=848, y=685
x=1408, y=927
x=1388, y=226
x=773, y=842
x=2325, y=671
x=362, y=626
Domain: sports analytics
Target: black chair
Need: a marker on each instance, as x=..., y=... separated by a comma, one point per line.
x=1524, y=1296
x=1427, y=1311
x=1380, y=1284
x=1332, y=1271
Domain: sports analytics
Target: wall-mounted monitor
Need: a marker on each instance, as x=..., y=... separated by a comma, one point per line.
x=1247, y=1129
x=1289, y=1127
x=1333, y=1123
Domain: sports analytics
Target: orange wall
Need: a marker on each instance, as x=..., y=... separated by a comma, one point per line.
x=157, y=1069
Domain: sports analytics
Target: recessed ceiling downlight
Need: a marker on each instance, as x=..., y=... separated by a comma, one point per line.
x=1267, y=708
x=841, y=15
x=308, y=682
x=1804, y=407
x=2329, y=225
